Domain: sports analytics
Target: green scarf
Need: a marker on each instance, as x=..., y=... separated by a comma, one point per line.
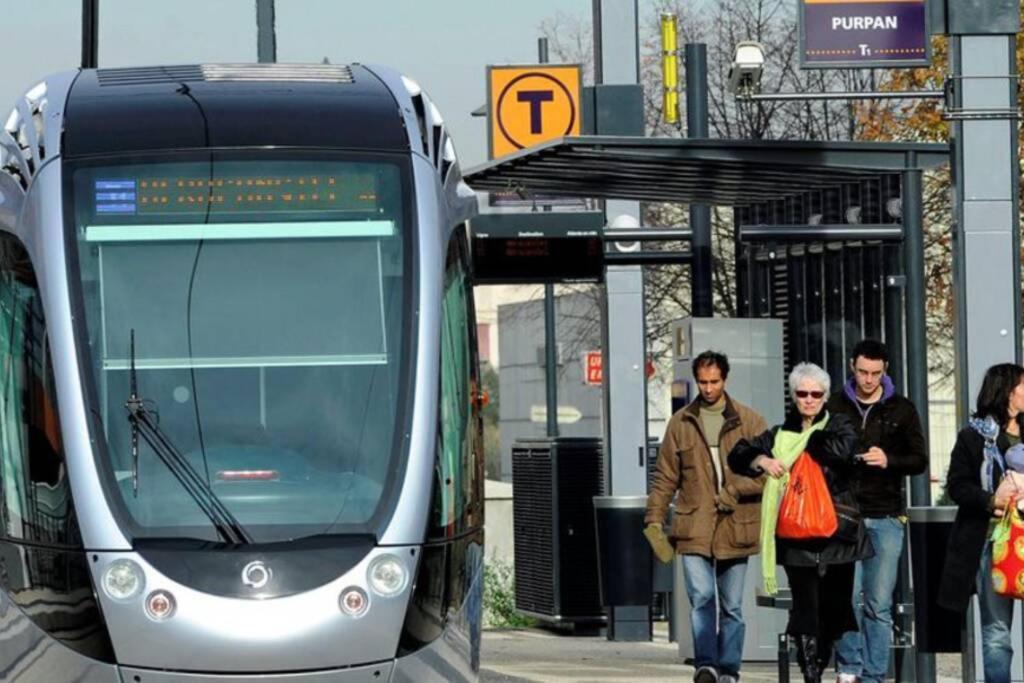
x=787, y=448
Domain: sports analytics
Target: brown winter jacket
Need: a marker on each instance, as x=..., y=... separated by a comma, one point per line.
x=707, y=521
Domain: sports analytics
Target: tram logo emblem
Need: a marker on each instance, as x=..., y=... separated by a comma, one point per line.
x=528, y=105
x=255, y=574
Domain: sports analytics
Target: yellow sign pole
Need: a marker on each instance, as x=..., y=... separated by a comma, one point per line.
x=670, y=69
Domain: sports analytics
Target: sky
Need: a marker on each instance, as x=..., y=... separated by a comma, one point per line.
x=445, y=45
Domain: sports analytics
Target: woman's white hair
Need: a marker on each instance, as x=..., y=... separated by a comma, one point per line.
x=802, y=371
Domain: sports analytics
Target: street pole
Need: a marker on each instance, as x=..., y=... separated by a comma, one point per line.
x=550, y=340
x=986, y=238
x=90, y=33
x=917, y=363
x=266, y=36
x=617, y=75
x=700, y=214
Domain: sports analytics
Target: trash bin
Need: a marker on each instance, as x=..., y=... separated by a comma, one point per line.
x=624, y=558
x=936, y=629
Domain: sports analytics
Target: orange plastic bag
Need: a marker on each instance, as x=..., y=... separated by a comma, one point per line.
x=1008, y=554
x=806, y=511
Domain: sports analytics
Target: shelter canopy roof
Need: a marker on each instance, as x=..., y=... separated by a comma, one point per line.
x=711, y=171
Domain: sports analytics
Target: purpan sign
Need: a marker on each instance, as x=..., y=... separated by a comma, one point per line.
x=864, y=33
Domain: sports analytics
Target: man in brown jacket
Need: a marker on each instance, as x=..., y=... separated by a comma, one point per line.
x=717, y=515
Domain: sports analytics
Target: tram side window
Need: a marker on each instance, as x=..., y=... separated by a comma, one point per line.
x=457, y=484
x=36, y=495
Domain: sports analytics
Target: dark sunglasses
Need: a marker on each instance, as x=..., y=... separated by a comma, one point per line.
x=800, y=393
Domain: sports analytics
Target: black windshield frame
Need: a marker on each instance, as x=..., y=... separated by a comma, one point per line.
x=407, y=368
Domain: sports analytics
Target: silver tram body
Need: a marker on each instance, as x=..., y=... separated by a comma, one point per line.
x=272, y=260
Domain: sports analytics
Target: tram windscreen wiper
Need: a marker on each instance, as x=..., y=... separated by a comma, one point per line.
x=143, y=424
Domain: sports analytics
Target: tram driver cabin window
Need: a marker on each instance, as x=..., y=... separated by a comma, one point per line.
x=269, y=345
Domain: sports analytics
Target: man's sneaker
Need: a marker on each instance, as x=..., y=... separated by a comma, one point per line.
x=847, y=678
x=727, y=678
x=705, y=674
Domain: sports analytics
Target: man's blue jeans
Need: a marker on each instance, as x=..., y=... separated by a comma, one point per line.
x=866, y=653
x=996, y=614
x=717, y=624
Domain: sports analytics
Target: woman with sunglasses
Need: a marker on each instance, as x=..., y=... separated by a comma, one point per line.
x=820, y=571
x=982, y=482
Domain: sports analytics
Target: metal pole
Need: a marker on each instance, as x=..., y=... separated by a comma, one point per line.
x=266, y=35
x=550, y=360
x=868, y=95
x=90, y=33
x=550, y=342
x=917, y=344
x=894, y=288
x=700, y=214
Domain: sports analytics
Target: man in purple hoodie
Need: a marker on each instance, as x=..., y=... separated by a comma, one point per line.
x=892, y=447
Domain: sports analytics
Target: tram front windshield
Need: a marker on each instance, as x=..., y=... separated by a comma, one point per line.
x=268, y=299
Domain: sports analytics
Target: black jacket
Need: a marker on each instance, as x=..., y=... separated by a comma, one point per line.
x=833, y=448
x=893, y=425
x=970, y=528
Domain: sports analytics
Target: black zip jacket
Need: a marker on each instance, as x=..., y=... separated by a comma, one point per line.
x=893, y=425
x=833, y=448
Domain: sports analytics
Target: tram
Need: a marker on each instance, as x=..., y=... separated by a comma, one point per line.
x=240, y=436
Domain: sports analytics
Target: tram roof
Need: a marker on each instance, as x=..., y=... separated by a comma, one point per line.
x=144, y=109
x=712, y=171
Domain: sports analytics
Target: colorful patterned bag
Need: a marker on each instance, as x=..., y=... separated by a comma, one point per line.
x=1008, y=554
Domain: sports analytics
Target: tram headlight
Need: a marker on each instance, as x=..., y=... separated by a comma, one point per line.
x=123, y=580
x=354, y=602
x=388, y=576
x=160, y=605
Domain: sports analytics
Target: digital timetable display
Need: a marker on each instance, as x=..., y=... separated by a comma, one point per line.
x=264, y=194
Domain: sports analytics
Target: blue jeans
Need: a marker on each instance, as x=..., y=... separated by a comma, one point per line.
x=996, y=614
x=718, y=629
x=865, y=653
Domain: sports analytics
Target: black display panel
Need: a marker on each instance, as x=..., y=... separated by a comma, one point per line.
x=542, y=247
x=506, y=260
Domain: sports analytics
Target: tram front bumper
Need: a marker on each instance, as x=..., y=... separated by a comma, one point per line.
x=371, y=673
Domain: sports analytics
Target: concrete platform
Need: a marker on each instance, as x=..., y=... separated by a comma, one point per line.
x=543, y=656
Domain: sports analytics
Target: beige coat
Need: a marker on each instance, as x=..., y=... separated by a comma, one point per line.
x=685, y=472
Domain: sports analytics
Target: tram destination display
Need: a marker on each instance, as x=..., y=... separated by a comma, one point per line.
x=162, y=195
x=864, y=33
x=547, y=247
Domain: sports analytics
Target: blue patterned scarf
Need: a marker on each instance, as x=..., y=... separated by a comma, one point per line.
x=989, y=430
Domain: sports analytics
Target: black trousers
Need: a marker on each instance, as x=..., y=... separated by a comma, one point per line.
x=822, y=601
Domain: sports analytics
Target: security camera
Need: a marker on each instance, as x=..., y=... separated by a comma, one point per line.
x=745, y=73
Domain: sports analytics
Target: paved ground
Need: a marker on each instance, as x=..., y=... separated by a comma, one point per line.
x=541, y=656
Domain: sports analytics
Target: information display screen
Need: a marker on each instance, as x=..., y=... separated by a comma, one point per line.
x=177, y=195
x=537, y=259
x=236, y=191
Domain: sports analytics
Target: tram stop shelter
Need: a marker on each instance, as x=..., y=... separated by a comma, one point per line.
x=828, y=235
x=810, y=218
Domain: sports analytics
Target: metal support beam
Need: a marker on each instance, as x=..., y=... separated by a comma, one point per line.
x=820, y=233
x=986, y=240
x=815, y=96
x=916, y=368
x=550, y=361
x=617, y=62
x=702, y=303
x=90, y=33
x=266, y=33
x=986, y=244
x=550, y=339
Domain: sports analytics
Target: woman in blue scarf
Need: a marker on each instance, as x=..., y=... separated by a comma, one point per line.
x=978, y=484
